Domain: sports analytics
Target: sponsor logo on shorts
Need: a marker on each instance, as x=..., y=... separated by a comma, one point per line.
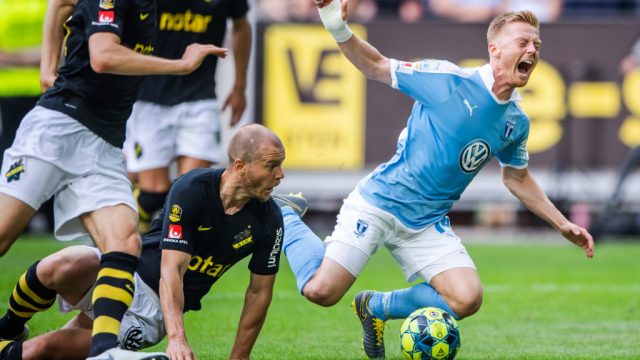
x=132, y=338
x=137, y=149
x=361, y=228
x=15, y=170
x=175, y=231
x=175, y=213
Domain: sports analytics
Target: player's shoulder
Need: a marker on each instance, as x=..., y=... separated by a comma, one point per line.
x=197, y=179
x=438, y=66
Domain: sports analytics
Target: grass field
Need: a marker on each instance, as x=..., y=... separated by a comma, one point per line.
x=542, y=301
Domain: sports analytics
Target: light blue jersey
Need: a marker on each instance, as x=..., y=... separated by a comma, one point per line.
x=456, y=126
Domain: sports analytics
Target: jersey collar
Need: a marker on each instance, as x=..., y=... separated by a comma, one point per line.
x=486, y=73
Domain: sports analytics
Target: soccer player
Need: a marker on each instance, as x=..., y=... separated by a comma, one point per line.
x=70, y=144
x=177, y=117
x=211, y=220
x=461, y=118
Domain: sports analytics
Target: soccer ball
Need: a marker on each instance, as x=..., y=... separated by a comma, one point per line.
x=430, y=333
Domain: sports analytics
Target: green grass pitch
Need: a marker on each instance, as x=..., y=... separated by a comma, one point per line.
x=542, y=301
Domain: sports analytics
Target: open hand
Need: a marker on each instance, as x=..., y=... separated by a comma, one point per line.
x=195, y=53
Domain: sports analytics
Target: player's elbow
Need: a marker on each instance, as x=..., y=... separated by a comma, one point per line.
x=100, y=64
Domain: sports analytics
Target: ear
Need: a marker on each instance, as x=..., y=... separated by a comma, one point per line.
x=494, y=52
x=239, y=166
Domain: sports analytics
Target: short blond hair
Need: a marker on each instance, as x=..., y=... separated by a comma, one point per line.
x=524, y=16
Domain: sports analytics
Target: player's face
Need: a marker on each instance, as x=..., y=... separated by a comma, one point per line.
x=517, y=50
x=265, y=173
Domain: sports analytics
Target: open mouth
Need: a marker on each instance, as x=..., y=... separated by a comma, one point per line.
x=525, y=66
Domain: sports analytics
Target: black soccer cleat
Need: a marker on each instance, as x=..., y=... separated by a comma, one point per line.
x=372, y=327
x=297, y=202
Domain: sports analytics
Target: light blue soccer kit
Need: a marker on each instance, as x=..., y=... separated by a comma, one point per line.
x=456, y=126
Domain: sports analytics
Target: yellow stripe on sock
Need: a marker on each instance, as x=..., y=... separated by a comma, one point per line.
x=115, y=273
x=4, y=343
x=105, y=324
x=18, y=299
x=22, y=314
x=25, y=288
x=112, y=293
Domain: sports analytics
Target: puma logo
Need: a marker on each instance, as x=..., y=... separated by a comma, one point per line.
x=468, y=105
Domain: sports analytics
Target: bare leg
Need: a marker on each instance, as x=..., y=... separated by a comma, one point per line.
x=71, y=342
x=461, y=289
x=186, y=163
x=14, y=217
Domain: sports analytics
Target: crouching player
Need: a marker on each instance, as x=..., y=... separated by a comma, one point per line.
x=211, y=220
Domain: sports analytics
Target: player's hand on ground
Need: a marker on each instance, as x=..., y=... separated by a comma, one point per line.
x=194, y=54
x=179, y=350
x=238, y=102
x=579, y=236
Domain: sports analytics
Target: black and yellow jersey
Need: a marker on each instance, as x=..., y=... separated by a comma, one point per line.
x=181, y=23
x=193, y=221
x=101, y=102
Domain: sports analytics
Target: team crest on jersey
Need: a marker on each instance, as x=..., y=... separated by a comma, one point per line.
x=242, y=239
x=361, y=228
x=508, y=130
x=474, y=155
x=132, y=339
x=15, y=170
x=107, y=4
x=175, y=213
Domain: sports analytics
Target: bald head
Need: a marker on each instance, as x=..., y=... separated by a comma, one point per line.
x=246, y=143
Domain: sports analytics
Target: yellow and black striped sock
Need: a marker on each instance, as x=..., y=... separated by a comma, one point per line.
x=148, y=203
x=28, y=297
x=11, y=350
x=111, y=298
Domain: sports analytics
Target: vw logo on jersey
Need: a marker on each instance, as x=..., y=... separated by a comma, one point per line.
x=474, y=155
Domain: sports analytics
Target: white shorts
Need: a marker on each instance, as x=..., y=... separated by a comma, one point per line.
x=142, y=325
x=53, y=154
x=157, y=134
x=362, y=228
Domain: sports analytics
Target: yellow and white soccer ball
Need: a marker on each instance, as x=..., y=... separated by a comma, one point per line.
x=430, y=333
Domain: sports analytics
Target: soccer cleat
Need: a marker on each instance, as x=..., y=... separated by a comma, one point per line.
x=121, y=354
x=297, y=202
x=372, y=327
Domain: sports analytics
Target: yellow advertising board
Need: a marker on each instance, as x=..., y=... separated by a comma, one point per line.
x=314, y=98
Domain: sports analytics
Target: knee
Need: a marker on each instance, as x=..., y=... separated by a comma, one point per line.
x=467, y=302
x=323, y=296
x=67, y=266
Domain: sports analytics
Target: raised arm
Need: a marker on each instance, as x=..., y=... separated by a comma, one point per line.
x=241, y=45
x=525, y=188
x=173, y=266
x=362, y=55
x=109, y=56
x=58, y=11
x=254, y=312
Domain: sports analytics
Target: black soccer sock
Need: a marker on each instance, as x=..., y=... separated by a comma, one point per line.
x=10, y=350
x=149, y=203
x=111, y=298
x=28, y=297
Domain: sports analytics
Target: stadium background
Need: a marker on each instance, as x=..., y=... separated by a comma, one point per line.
x=542, y=299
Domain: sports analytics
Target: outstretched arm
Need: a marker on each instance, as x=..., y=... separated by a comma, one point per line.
x=107, y=55
x=173, y=266
x=525, y=188
x=362, y=55
x=254, y=312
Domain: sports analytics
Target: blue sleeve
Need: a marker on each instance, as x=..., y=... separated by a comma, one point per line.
x=428, y=82
x=515, y=154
